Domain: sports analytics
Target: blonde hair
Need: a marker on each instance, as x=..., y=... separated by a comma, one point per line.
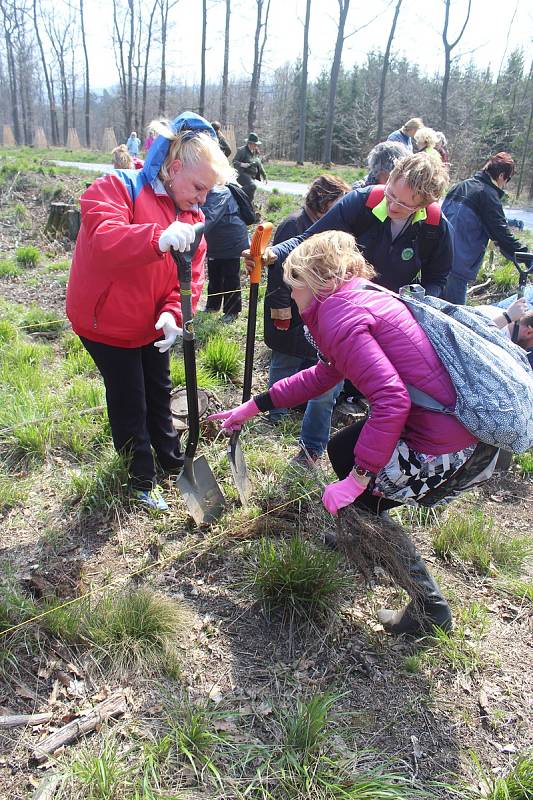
x=324, y=262
x=414, y=122
x=425, y=175
x=425, y=137
x=192, y=148
x=121, y=157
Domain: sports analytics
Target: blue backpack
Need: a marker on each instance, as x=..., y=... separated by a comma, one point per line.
x=491, y=376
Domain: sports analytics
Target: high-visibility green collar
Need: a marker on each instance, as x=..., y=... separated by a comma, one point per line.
x=381, y=212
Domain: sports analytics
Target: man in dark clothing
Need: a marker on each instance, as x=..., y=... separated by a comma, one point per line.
x=474, y=209
x=222, y=141
x=405, y=134
x=248, y=165
x=284, y=329
x=398, y=227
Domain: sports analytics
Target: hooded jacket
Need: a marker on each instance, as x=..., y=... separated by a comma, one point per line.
x=120, y=282
x=373, y=340
x=474, y=209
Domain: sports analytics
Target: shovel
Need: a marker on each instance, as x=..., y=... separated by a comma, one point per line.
x=260, y=239
x=196, y=484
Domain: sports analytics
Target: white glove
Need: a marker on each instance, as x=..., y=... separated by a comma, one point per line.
x=178, y=235
x=170, y=330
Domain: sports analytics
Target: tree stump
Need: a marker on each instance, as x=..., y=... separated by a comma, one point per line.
x=63, y=222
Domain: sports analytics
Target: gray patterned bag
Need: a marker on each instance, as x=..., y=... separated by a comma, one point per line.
x=491, y=375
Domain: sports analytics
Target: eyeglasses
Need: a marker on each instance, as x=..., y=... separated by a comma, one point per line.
x=389, y=194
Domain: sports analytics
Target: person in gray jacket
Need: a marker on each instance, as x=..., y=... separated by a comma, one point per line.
x=226, y=235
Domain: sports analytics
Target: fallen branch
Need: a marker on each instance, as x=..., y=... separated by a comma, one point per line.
x=112, y=706
x=47, y=788
x=478, y=287
x=16, y=720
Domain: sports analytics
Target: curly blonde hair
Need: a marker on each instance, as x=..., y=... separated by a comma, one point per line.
x=425, y=175
x=324, y=262
x=121, y=157
x=191, y=149
x=425, y=137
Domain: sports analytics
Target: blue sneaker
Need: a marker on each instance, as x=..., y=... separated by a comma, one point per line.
x=152, y=499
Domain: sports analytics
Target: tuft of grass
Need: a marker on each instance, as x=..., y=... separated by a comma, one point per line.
x=177, y=375
x=460, y=648
x=41, y=320
x=517, y=784
x=505, y=276
x=8, y=269
x=101, y=486
x=520, y=590
x=11, y=490
x=98, y=771
x=472, y=538
x=524, y=462
x=132, y=630
x=27, y=256
x=295, y=575
x=222, y=358
x=192, y=737
x=8, y=332
x=413, y=663
x=304, y=729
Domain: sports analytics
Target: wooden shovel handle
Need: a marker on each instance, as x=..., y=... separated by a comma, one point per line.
x=258, y=245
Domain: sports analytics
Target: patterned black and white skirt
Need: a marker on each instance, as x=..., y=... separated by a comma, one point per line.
x=409, y=475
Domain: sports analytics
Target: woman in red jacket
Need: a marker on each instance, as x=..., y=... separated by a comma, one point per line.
x=123, y=297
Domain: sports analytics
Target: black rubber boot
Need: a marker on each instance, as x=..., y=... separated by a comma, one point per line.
x=427, y=608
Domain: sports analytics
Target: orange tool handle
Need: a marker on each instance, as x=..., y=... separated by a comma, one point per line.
x=258, y=245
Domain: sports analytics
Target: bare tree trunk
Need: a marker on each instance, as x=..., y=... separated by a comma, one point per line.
x=146, y=58
x=118, y=42
x=303, y=87
x=448, y=47
x=87, y=112
x=9, y=29
x=259, y=49
x=524, y=155
x=164, y=6
x=54, y=130
x=201, y=102
x=384, y=71
x=344, y=6
x=131, y=47
x=225, y=71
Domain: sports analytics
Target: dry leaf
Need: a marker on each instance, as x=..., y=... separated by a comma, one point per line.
x=215, y=694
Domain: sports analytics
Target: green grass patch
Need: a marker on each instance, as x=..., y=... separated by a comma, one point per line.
x=27, y=256
x=221, y=358
x=8, y=332
x=100, y=486
x=524, y=462
x=287, y=171
x=58, y=266
x=459, y=649
x=295, y=576
x=12, y=490
x=177, y=374
x=8, y=269
x=505, y=276
x=472, y=538
x=41, y=320
x=517, y=589
x=516, y=784
x=132, y=630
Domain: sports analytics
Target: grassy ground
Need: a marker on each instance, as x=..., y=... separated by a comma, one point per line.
x=251, y=657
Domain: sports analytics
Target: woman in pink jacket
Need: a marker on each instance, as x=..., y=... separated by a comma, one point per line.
x=401, y=451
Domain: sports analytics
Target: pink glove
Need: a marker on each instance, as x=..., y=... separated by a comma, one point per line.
x=341, y=493
x=236, y=417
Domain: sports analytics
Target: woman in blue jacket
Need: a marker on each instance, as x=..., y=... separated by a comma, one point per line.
x=474, y=210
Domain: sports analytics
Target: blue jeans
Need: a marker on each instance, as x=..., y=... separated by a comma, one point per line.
x=455, y=291
x=316, y=424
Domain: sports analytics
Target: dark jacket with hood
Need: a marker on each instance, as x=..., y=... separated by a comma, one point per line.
x=278, y=295
x=474, y=209
x=225, y=232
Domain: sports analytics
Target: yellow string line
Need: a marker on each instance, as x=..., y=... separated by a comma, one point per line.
x=148, y=567
x=64, y=319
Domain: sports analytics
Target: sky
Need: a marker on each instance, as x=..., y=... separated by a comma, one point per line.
x=418, y=35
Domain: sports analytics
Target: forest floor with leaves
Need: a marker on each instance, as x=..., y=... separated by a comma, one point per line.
x=247, y=656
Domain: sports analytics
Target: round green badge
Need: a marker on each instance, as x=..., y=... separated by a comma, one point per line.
x=407, y=254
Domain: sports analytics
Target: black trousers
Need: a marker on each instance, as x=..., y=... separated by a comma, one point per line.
x=137, y=385
x=340, y=452
x=224, y=276
x=248, y=185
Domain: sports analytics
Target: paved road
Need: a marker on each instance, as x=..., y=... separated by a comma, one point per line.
x=286, y=187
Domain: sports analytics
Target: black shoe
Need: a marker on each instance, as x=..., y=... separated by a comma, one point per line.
x=228, y=318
